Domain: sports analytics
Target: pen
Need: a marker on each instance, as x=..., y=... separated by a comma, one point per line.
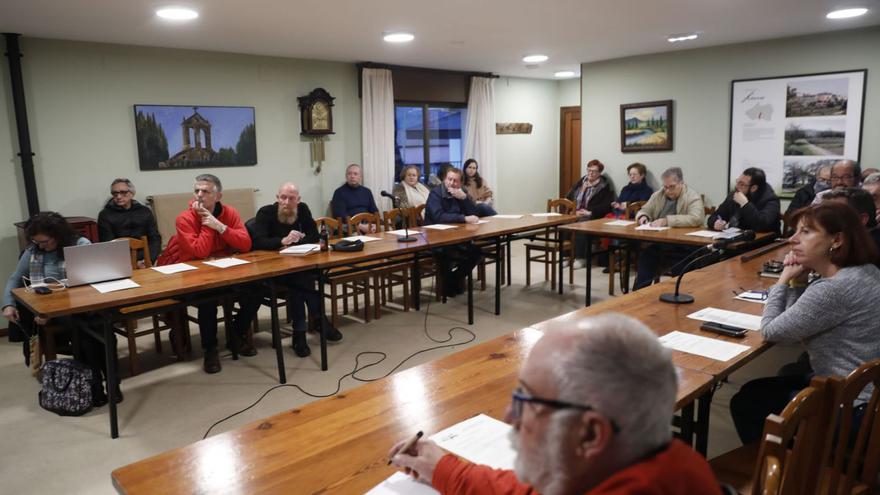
x=409, y=444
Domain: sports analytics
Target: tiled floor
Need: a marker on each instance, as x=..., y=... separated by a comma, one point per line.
x=173, y=404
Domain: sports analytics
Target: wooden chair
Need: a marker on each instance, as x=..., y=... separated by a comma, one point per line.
x=418, y=215
x=853, y=468
x=548, y=250
x=398, y=273
x=632, y=208
x=344, y=286
x=792, y=441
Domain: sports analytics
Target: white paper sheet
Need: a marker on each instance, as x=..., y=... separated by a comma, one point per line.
x=711, y=234
x=114, y=285
x=620, y=223
x=507, y=216
x=362, y=238
x=648, y=227
x=551, y=214
x=482, y=221
x=403, y=232
x=175, y=268
x=702, y=346
x=402, y=484
x=301, y=249
x=755, y=296
x=227, y=262
x=440, y=226
x=733, y=318
x=481, y=440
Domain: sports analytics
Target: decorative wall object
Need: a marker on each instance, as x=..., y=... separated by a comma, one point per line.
x=789, y=126
x=513, y=128
x=180, y=136
x=646, y=126
x=316, y=113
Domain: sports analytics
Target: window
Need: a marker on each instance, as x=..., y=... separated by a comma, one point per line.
x=427, y=136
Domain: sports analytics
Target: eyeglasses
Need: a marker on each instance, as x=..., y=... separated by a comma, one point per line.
x=671, y=187
x=519, y=397
x=41, y=243
x=119, y=193
x=593, y=171
x=838, y=178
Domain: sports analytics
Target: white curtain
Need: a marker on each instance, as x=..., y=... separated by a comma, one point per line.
x=377, y=124
x=479, y=141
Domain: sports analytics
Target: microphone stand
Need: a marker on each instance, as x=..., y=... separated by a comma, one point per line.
x=678, y=298
x=395, y=203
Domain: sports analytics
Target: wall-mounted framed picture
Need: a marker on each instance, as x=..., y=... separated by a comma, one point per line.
x=790, y=126
x=646, y=126
x=180, y=136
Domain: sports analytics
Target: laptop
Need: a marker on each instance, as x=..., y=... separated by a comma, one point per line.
x=99, y=262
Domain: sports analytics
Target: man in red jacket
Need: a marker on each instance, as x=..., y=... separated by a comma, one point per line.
x=209, y=229
x=592, y=415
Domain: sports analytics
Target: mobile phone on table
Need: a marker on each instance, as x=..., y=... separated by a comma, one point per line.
x=729, y=330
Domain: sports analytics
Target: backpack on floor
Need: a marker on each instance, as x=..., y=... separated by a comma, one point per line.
x=68, y=387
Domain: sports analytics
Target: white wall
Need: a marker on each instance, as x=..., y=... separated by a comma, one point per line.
x=569, y=92
x=699, y=83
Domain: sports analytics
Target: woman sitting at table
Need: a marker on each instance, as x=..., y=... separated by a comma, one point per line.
x=834, y=318
x=477, y=189
x=409, y=192
x=592, y=196
x=42, y=262
x=637, y=189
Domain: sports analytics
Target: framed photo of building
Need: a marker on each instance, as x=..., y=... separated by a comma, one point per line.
x=646, y=126
x=180, y=136
x=790, y=126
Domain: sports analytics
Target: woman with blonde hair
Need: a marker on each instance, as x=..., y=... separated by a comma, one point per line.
x=409, y=191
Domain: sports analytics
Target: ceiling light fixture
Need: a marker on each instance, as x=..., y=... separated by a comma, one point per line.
x=846, y=13
x=565, y=73
x=398, y=37
x=177, y=13
x=675, y=38
x=535, y=59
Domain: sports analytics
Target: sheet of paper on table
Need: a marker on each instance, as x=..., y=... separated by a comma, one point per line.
x=301, y=249
x=620, y=223
x=227, y=262
x=362, y=238
x=702, y=346
x=114, y=285
x=755, y=296
x=743, y=320
x=507, y=216
x=482, y=221
x=711, y=234
x=648, y=227
x=175, y=268
x=551, y=214
x=439, y=226
x=403, y=232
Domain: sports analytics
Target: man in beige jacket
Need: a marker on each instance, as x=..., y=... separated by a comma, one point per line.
x=676, y=205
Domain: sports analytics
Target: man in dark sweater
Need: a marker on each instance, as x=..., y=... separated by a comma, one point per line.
x=122, y=216
x=450, y=204
x=753, y=205
x=352, y=198
x=289, y=222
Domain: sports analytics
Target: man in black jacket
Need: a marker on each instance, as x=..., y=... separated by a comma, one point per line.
x=289, y=222
x=122, y=216
x=753, y=205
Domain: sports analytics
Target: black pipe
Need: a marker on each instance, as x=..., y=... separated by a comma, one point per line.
x=13, y=55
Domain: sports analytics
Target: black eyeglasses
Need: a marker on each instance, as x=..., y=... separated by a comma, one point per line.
x=119, y=193
x=519, y=397
x=41, y=244
x=839, y=178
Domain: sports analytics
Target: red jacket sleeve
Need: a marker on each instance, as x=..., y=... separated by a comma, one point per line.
x=236, y=235
x=195, y=240
x=453, y=475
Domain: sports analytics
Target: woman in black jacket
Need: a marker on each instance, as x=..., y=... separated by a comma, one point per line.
x=592, y=196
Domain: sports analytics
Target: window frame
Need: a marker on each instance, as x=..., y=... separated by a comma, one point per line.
x=426, y=137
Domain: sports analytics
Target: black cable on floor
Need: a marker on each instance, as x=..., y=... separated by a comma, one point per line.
x=359, y=368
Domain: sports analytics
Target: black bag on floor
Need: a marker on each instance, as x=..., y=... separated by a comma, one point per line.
x=68, y=387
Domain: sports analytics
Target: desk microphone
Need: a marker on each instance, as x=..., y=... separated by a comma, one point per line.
x=677, y=297
x=395, y=204
x=744, y=235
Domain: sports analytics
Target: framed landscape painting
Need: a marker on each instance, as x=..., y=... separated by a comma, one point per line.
x=179, y=136
x=646, y=126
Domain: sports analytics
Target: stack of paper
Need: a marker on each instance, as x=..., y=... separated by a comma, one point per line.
x=114, y=285
x=551, y=214
x=702, y=346
x=301, y=250
x=755, y=296
x=648, y=227
x=620, y=223
x=507, y=216
x=705, y=233
x=439, y=226
x=175, y=268
x=362, y=238
x=732, y=318
x=227, y=262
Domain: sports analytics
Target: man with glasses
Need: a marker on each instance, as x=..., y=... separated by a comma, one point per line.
x=592, y=414
x=752, y=205
x=844, y=174
x=123, y=216
x=675, y=205
x=592, y=196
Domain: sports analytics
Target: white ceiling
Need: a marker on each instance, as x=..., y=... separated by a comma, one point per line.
x=477, y=35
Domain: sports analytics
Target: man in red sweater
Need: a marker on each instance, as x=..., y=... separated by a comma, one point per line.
x=592, y=415
x=209, y=229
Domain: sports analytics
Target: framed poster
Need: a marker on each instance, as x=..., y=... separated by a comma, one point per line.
x=180, y=136
x=789, y=126
x=646, y=126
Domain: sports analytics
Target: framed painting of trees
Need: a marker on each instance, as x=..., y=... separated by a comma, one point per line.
x=646, y=126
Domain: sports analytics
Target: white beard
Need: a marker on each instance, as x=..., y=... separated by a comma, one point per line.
x=546, y=468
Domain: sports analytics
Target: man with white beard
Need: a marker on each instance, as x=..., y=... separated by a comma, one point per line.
x=591, y=415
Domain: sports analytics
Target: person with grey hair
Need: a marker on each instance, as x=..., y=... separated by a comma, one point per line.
x=675, y=205
x=592, y=413
x=844, y=174
x=805, y=195
x=208, y=229
x=872, y=185
x=123, y=216
x=352, y=198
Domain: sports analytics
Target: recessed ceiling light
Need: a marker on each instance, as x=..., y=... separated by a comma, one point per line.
x=398, y=37
x=565, y=73
x=847, y=13
x=535, y=59
x=177, y=13
x=675, y=38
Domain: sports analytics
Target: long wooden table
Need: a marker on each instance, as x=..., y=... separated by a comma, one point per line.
x=264, y=265
x=338, y=444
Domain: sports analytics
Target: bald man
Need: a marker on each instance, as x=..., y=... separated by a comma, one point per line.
x=289, y=222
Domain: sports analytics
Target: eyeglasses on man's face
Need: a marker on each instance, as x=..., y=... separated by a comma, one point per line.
x=42, y=243
x=121, y=192
x=841, y=178
x=520, y=397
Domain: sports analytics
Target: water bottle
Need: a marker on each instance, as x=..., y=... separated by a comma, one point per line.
x=324, y=239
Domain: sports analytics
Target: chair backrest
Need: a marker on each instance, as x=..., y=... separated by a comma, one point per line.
x=365, y=217
x=858, y=462
x=334, y=226
x=135, y=245
x=793, y=439
x=633, y=207
x=771, y=475
x=709, y=210
x=166, y=207
x=394, y=217
x=561, y=205
x=418, y=215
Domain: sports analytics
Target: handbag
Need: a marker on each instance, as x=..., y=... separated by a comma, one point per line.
x=68, y=387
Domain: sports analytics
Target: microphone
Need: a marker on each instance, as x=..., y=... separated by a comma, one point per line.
x=394, y=204
x=744, y=235
x=391, y=197
x=677, y=297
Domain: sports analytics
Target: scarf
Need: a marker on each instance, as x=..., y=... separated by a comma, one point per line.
x=587, y=192
x=416, y=195
x=37, y=275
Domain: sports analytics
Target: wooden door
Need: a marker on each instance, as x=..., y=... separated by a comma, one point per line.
x=569, y=148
